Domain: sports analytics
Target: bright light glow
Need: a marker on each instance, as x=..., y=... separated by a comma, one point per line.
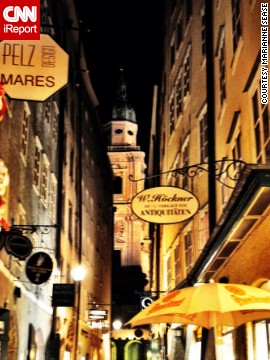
x=117, y=324
x=78, y=273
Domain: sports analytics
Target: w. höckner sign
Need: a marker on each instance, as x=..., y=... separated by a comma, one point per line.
x=164, y=205
x=33, y=69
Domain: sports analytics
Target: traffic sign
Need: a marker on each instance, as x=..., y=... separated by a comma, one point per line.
x=146, y=301
x=33, y=69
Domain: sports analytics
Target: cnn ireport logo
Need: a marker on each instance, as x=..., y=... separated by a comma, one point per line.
x=19, y=20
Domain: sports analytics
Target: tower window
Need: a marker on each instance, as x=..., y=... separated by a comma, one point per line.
x=117, y=185
x=130, y=132
x=118, y=131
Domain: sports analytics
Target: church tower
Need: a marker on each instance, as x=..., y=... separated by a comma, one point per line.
x=131, y=234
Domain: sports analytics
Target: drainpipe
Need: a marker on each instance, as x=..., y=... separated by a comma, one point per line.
x=211, y=131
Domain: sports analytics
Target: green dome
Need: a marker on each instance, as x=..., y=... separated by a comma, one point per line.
x=122, y=109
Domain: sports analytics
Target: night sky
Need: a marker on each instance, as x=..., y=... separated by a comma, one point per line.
x=125, y=34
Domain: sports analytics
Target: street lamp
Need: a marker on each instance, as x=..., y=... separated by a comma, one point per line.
x=117, y=324
x=78, y=274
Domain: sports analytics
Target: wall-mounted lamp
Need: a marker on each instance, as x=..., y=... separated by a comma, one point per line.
x=78, y=273
x=117, y=324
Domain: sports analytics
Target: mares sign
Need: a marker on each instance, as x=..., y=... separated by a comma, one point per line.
x=33, y=69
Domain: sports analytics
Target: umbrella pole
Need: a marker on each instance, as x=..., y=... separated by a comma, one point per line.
x=218, y=343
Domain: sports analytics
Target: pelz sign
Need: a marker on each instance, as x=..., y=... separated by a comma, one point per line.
x=20, y=20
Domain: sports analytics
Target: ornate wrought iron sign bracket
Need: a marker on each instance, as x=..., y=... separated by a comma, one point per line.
x=230, y=168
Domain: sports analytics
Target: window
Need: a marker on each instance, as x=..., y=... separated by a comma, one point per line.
x=25, y=132
x=173, y=4
x=236, y=23
x=262, y=339
x=225, y=190
x=188, y=251
x=21, y=214
x=178, y=95
x=188, y=10
x=222, y=83
x=187, y=73
x=47, y=115
x=55, y=116
x=185, y=161
x=179, y=33
x=70, y=222
x=203, y=34
x=203, y=229
x=177, y=264
x=53, y=199
x=37, y=164
x=169, y=272
x=203, y=135
x=172, y=51
x=71, y=164
x=44, y=181
x=117, y=185
x=235, y=146
x=172, y=116
x=261, y=129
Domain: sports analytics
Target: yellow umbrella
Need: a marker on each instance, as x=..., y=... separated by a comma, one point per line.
x=208, y=305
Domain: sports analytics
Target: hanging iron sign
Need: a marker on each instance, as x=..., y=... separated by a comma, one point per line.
x=39, y=267
x=164, y=205
x=16, y=244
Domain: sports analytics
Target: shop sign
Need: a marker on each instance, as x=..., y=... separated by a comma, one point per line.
x=16, y=244
x=39, y=268
x=164, y=205
x=63, y=295
x=33, y=69
x=97, y=314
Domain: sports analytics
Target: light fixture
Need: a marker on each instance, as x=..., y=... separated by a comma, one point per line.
x=78, y=273
x=117, y=324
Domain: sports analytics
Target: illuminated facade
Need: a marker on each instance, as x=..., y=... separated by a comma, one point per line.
x=210, y=111
x=55, y=187
x=131, y=265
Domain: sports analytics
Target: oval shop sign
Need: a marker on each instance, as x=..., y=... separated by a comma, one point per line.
x=165, y=205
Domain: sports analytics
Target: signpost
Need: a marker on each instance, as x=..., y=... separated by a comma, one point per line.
x=33, y=69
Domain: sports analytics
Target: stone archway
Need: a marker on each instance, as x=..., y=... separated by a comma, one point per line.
x=133, y=350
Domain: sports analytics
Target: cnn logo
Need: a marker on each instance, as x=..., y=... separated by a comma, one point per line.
x=20, y=21
x=17, y=14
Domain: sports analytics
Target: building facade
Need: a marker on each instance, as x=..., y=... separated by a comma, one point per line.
x=56, y=204
x=131, y=259
x=213, y=125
